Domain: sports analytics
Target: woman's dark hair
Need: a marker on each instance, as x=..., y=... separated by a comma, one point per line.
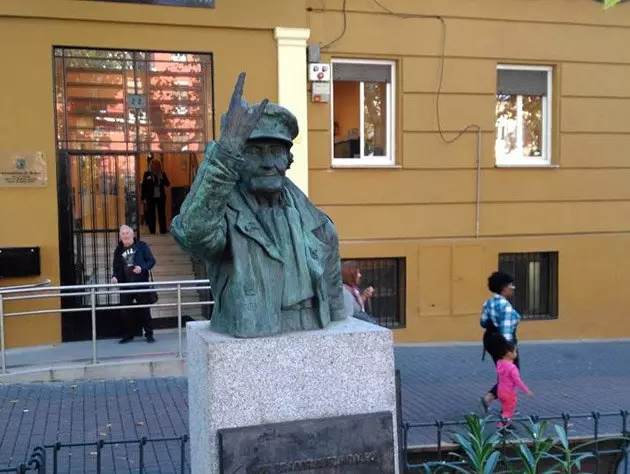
x=508, y=346
x=498, y=281
x=349, y=269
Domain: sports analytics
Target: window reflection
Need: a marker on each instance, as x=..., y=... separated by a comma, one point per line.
x=519, y=126
x=375, y=119
x=347, y=119
x=362, y=111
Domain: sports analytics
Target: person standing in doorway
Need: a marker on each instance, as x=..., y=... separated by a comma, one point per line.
x=154, y=184
x=500, y=321
x=132, y=262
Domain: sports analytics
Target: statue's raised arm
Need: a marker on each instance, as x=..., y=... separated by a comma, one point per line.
x=272, y=256
x=200, y=227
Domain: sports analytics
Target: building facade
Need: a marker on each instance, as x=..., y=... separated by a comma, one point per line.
x=458, y=138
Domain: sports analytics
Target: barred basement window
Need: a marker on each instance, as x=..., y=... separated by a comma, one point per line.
x=536, y=281
x=388, y=277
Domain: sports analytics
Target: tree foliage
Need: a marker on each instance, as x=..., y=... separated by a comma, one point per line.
x=174, y=88
x=610, y=3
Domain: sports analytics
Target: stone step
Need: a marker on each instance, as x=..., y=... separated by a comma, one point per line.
x=167, y=250
x=172, y=310
x=166, y=259
x=175, y=277
x=161, y=259
x=194, y=312
x=185, y=268
x=163, y=248
x=172, y=276
x=187, y=297
x=149, y=365
x=181, y=272
x=146, y=236
x=172, y=268
x=163, y=244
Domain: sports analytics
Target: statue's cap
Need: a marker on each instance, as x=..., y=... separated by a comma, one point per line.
x=276, y=122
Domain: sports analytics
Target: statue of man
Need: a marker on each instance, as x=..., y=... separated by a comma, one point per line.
x=272, y=256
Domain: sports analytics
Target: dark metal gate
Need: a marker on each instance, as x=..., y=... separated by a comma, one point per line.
x=114, y=108
x=97, y=194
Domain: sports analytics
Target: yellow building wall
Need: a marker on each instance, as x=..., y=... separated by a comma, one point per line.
x=424, y=210
x=239, y=33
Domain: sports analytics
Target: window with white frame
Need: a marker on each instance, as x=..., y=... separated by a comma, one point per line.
x=523, y=115
x=362, y=112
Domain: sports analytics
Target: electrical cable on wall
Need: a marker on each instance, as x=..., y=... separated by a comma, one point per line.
x=442, y=58
x=343, y=29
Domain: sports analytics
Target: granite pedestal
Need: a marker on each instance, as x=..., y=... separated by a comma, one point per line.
x=345, y=369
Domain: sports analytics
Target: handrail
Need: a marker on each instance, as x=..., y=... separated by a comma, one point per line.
x=100, y=293
x=92, y=292
x=29, y=286
x=28, y=289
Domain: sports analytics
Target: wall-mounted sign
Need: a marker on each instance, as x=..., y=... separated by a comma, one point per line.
x=23, y=170
x=319, y=72
x=136, y=101
x=320, y=92
x=169, y=3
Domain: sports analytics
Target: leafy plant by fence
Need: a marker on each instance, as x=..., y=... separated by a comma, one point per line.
x=482, y=449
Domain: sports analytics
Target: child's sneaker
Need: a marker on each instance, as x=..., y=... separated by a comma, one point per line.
x=505, y=427
x=484, y=405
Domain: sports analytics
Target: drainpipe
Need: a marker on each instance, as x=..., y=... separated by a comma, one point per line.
x=478, y=186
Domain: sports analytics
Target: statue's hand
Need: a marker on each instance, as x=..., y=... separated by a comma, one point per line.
x=240, y=121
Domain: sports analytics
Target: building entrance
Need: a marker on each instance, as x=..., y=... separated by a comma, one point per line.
x=115, y=112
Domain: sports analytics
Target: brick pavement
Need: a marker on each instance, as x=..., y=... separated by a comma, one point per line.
x=35, y=413
x=438, y=382
x=445, y=383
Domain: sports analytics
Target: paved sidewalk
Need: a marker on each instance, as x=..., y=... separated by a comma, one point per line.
x=166, y=343
x=438, y=382
x=445, y=383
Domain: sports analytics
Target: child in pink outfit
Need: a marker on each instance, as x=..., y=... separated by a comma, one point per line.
x=509, y=383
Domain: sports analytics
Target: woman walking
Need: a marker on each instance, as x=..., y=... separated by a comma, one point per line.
x=154, y=184
x=500, y=321
x=132, y=262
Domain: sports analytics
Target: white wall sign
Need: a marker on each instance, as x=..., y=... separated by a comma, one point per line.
x=23, y=170
x=320, y=92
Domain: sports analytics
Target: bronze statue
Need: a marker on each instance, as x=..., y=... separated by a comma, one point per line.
x=272, y=257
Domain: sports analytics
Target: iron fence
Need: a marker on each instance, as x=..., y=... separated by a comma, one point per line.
x=601, y=432
x=47, y=458
x=40, y=292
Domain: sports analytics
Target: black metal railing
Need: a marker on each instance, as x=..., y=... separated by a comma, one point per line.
x=433, y=456
x=35, y=463
x=47, y=458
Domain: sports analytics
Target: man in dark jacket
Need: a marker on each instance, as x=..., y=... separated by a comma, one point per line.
x=132, y=261
x=153, y=193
